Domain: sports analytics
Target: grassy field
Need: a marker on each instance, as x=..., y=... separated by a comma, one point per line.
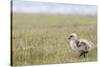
x=43, y=39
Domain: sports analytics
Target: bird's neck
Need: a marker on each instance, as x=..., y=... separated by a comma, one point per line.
x=73, y=42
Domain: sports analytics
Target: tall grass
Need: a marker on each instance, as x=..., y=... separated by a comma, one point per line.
x=43, y=39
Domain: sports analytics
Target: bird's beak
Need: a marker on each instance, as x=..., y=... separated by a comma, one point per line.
x=69, y=38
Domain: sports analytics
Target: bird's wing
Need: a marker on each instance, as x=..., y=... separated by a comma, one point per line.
x=87, y=44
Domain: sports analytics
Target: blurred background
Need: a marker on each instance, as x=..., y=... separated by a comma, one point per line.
x=53, y=8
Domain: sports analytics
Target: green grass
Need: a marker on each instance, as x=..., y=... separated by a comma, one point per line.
x=43, y=39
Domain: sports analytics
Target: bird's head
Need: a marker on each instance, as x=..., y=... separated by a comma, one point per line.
x=73, y=36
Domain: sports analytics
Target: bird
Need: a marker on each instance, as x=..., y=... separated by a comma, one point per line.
x=82, y=46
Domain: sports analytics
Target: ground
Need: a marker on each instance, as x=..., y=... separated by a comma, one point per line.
x=43, y=38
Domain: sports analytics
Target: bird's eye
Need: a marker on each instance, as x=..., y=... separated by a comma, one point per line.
x=71, y=36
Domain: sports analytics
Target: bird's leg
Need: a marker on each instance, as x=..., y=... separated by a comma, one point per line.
x=86, y=51
x=81, y=53
x=84, y=54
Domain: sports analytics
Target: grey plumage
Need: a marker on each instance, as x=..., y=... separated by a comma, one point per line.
x=82, y=46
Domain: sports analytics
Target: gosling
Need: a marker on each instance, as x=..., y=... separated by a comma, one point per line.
x=82, y=46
